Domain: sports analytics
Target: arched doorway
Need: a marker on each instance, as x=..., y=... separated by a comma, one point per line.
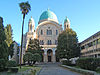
x=49, y=55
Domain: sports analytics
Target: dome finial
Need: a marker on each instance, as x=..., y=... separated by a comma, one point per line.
x=31, y=16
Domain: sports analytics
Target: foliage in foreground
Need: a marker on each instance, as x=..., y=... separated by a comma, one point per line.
x=2, y=64
x=9, y=39
x=34, y=47
x=3, y=46
x=11, y=63
x=88, y=63
x=31, y=58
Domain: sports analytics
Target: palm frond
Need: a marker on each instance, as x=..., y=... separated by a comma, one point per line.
x=25, y=6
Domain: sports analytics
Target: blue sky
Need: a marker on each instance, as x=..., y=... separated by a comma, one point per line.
x=84, y=15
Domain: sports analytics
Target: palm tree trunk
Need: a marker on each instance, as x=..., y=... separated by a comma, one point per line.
x=22, y=41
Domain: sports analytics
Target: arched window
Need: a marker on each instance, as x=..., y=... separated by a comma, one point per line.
x=41, y=32
x=49, y=32
x=41, y=42
x=56, y=42
x=49, y=42
x=56, y=32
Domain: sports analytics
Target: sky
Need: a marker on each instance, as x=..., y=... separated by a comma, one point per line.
x=84, y=15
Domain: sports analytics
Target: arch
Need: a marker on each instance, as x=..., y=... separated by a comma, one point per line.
x=49, y=55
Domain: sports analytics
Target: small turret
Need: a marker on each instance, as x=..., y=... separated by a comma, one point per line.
x=31, y=25
x=66, y=23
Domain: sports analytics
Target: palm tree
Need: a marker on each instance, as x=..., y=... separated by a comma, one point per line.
x=25, y=8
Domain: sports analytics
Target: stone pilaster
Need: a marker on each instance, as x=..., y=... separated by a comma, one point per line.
x=53, y=56
x=45, y=56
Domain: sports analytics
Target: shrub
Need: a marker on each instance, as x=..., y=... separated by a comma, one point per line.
x=66, y=62
x=33, y=72
x=88, y=63
x=36, y=57
x=27, y=57
x=2, y=64
x=98, y=69
x=13, y=69
x=11, y=63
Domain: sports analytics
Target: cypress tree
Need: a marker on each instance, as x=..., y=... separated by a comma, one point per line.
x=3, y=45
x=9, y=39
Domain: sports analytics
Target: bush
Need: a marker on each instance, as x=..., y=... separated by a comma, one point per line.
x=13, y=69
x=11, y=63
x=98, y=69
x=66, y=62
x=2, y=64
x=36, y=57
x=88, y=63
x=33, y=72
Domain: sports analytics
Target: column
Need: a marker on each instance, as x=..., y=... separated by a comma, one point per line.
x=53, y=57
x=45, y=56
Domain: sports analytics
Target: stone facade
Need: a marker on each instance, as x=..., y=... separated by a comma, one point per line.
x=47, y=32
x=90, y=47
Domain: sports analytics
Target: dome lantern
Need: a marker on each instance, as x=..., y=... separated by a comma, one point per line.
x=31, y=25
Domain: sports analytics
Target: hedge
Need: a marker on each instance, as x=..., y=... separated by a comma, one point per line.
x=88, y=63
x=66, y=62
x=2, y=64
x=11, y=63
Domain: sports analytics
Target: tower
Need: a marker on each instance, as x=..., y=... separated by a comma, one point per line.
x=31, y=25
x=30, y=33
x=66, y=23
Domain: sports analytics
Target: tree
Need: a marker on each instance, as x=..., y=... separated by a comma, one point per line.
x=68, y=45
x=9, y=39
x=11, y=49
x=31, y=58
x=36, y=58
x=3, y=45
x=34, y=46
x=28, y=57
x=25, y=8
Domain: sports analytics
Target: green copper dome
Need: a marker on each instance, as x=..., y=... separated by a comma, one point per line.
x=66, y=20
x=48, y=14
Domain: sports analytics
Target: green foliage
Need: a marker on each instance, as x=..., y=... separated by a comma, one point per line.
x=11, y=63
x=88, y=63
x=31, y=58
x=3, y=45
x=11, y=49
x=68, y=44
x=34, y=47
x=36, y=57
x=2, y=33
x=8, y=32
x=98, y=69
x=25, y=7
x=27, y=57
x=2, y=64
x=66, y=62
x=9, y=39
x=33, y=72
x=13, y=69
